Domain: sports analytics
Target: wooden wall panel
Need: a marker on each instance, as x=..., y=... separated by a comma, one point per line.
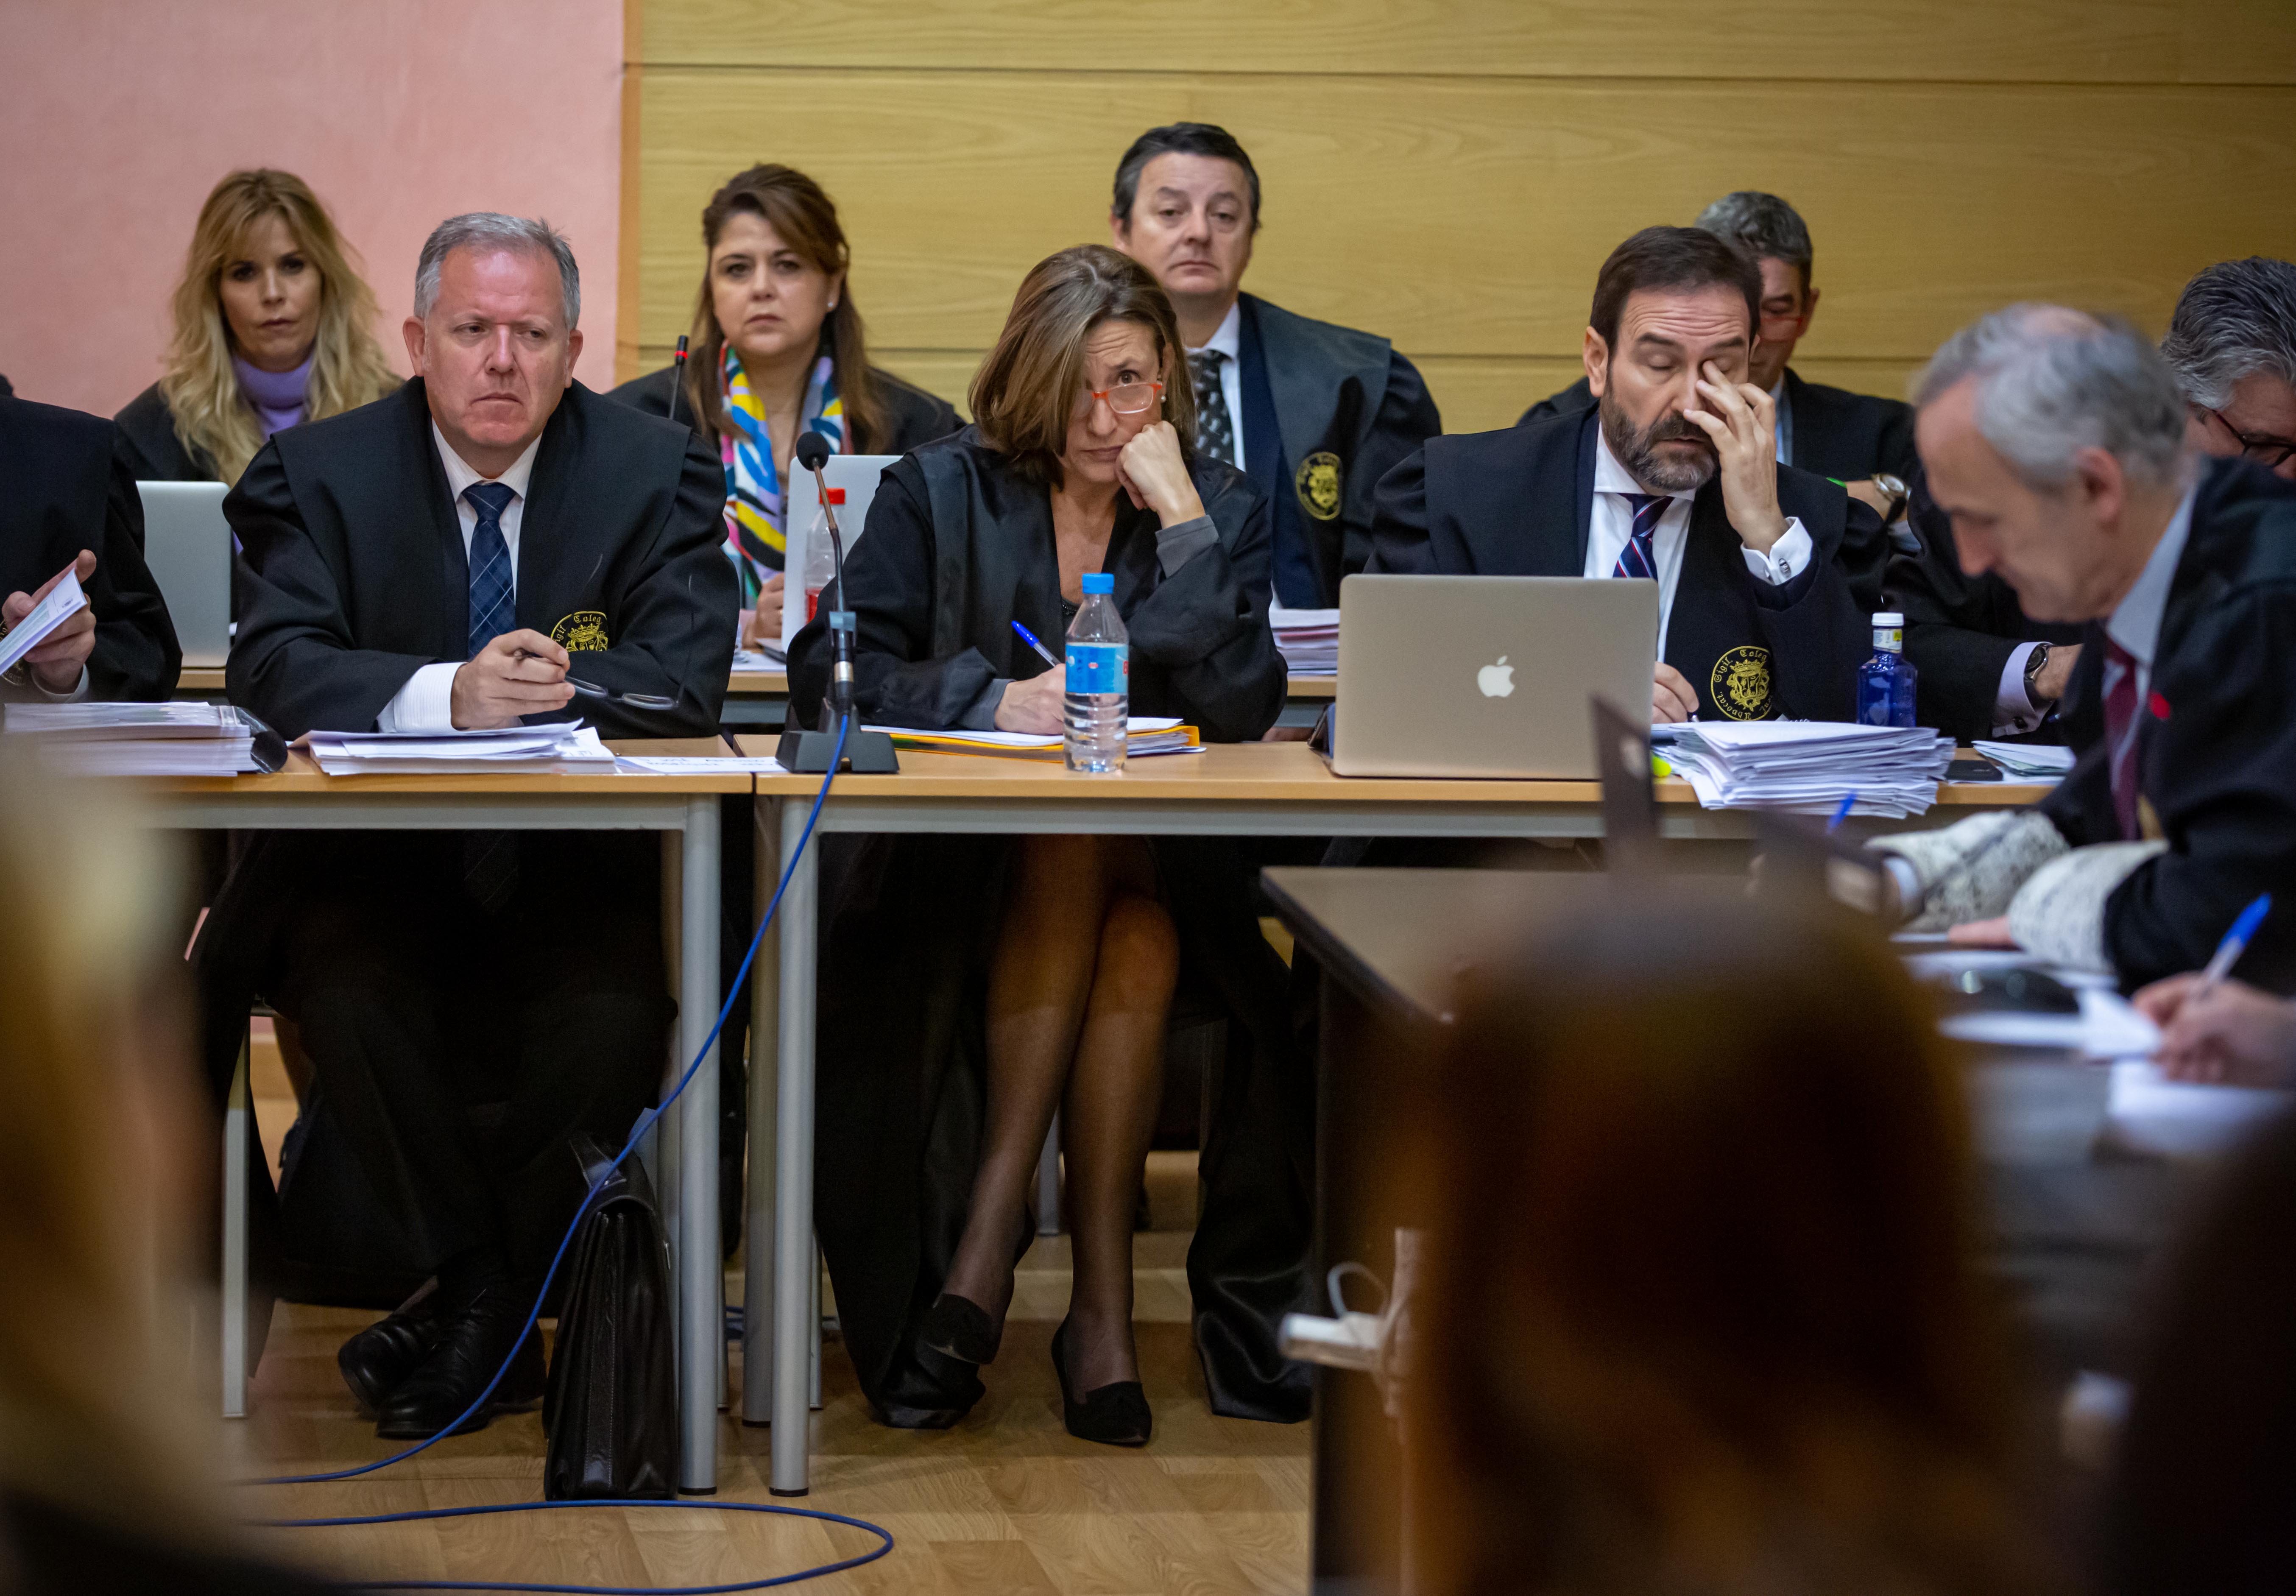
x=1451, y=175
x=1993, y=41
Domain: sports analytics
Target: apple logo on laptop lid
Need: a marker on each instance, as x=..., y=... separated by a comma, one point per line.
x=1496, y=681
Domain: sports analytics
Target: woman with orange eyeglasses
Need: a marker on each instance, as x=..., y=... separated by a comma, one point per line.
x=1034, y=974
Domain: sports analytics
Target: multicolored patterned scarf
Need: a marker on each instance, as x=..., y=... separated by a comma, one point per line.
x=756, y=510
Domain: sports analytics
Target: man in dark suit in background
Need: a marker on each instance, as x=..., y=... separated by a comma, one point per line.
x=69, y=500
x=1315, y=414
x=1763, y=570
x=1986, y=668
x=448, y=557
x=1857, y=439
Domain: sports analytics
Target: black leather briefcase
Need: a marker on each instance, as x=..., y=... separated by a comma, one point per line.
x=610, y=1411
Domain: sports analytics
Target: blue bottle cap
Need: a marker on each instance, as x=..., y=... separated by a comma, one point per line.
x=1099, y=581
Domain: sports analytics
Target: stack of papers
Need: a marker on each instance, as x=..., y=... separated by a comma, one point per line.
x=1308, y=639
x=139, y=740
x=2029, y=761
x=1810, y=765
x=1142, y=734
x=765, y=656
x=567, y=749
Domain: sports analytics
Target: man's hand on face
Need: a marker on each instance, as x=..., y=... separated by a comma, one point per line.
x=63, y=653
x=519, y=673
x=1737, y=417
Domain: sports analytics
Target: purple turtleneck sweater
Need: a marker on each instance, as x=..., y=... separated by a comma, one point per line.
x=278, y=396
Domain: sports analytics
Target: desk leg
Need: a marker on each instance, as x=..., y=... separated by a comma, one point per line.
x=700, y=1272
x=793, y=1255
x=765, y=1080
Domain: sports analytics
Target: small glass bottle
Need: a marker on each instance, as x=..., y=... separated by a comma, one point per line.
x=1885, y=683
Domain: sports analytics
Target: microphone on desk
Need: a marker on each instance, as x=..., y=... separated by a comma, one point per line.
x=676, y=376
x=866, y=753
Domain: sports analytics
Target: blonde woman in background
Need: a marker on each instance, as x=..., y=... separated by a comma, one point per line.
x=104, y=1485
x=274, y=326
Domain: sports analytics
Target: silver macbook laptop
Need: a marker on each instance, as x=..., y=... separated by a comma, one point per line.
x=187, y=544
x=1487, y=675
x=858, y=475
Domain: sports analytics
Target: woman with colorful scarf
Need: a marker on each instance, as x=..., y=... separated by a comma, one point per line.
x=777, y=351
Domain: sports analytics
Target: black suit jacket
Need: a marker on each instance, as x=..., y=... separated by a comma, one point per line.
x=1327, y=411
x=1519, y=501
x=1836, y=433
x=355, y=576
x=69, y=487
x=959, y=545
x=912, y=415
x=1960, y=629
x=2216, y=748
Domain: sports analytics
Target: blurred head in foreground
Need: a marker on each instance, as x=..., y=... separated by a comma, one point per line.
x=1702, y=1312
x=97, y=1111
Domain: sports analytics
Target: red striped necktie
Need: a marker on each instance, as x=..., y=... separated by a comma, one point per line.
x=2121, y=733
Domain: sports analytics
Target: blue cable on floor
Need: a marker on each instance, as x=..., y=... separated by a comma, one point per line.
x=645, y=1122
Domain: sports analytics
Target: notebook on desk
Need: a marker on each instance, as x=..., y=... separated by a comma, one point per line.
x=1487, y=675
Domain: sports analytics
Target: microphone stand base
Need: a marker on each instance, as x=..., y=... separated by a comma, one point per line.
x=866, y=753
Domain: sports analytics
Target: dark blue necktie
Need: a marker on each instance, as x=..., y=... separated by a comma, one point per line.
x=489, y=858
x=494, y=605
x=1639, y=558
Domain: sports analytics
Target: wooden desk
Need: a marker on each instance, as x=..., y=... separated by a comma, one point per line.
x=685, y=810
x=1279, y=789
x=2071, y=1237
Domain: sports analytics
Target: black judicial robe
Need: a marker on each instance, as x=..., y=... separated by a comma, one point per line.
x=913, y=417
x=2216, y=744
x=1327, y=411
x=69, y=485
x=1517, y=503
x=1960, y=629
x=1836, y=433
x=956, y=547
x=354, y=576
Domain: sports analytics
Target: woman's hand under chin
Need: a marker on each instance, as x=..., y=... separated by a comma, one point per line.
x=1153, y=471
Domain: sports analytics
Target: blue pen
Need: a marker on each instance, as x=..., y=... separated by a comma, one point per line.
x=2235, y=943
x=1029, y=638
x=1849, y=802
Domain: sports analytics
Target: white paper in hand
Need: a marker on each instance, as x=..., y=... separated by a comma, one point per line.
x=63, y=601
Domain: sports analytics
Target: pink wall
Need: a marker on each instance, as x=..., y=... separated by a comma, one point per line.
x=116, y=116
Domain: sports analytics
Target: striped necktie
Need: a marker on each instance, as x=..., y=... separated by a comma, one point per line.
x=489, y=858
x=1639, y=558
x=2120, y=723
x=494, y=605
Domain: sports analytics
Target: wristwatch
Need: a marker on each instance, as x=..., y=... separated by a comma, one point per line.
x=2034, y=663
x=1901, y=495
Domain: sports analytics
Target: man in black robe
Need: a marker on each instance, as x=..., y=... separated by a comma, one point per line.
x=449, y=557
x=1852, y=438
x=1988, y=670
x=2058, y=444
x=1764, y=571
x=1313, y=413
x=71, y=501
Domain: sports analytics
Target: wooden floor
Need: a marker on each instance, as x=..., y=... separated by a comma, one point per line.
x=1006, y=1502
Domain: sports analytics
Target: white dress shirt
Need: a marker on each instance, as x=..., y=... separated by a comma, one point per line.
x=1610, y=520
x=1229, y=342
x=427, y=703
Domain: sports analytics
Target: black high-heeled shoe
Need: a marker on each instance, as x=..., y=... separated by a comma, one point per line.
x=960, y=1328
x=1116, y=1415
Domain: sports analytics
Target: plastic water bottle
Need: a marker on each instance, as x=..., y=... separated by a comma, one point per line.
x=820, y=558
x=1885, y=683
x=1099, y=680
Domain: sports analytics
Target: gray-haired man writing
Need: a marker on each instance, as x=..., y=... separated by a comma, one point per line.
x=2056, y=441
